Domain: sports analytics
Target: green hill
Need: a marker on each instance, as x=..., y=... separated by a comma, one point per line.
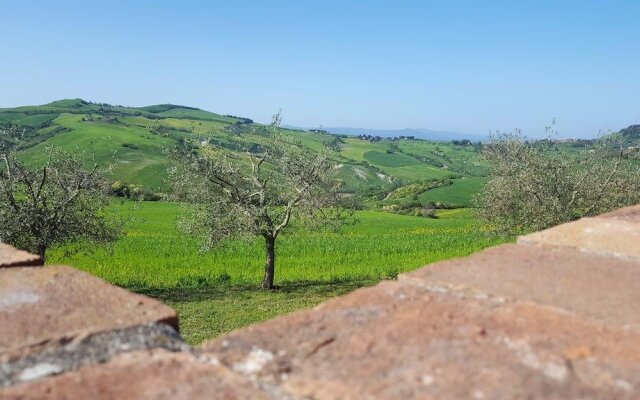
x=631, y=135
x=132, y=141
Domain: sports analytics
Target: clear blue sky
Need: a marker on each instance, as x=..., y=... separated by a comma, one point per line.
x=465, y=66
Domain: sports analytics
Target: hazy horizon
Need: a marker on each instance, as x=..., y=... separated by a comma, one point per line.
x=458, y=67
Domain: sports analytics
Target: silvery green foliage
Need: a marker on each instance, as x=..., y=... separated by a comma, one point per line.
x=537, y=185
x=258, y=191
x=55, y=203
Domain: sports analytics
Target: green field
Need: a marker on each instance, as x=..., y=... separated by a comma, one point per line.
x=414, y=159
x=145, y=162
x=218, y=291
x=389, y=159
x=460, y=193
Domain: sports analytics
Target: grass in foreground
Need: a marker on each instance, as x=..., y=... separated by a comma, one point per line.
x=216, y=292
x=210, y=310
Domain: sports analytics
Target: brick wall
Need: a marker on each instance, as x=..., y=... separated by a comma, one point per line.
x=554, y=316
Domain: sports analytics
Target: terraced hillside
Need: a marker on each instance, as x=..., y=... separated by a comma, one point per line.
x=133, y=142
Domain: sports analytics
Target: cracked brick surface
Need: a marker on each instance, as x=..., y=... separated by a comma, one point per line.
x=42, y=307
x=88, y=350
x=399, y=340
x=155, y=374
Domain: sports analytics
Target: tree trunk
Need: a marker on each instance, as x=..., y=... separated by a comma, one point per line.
x=270, y=264
x=42, y=250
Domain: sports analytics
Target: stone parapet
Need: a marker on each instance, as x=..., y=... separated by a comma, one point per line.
x=554, y=316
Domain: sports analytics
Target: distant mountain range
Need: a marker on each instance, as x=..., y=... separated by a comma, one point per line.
x=419, y=133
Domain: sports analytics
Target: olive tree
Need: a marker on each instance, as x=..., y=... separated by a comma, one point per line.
x=56, y=203
x=256, y=192
x=536, y=185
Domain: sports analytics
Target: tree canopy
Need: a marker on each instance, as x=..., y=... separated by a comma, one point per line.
x=258, y=192
x=55, y=203
x=532, y=186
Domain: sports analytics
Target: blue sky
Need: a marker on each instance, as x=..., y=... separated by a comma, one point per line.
x=464, y=66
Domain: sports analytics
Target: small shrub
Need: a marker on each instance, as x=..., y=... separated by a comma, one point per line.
x=223, y=278
x=193, y=281
x=392, y=273
x=134, y=192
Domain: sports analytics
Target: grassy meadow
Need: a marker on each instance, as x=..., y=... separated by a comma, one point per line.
x=217, y=291
x=460, y=193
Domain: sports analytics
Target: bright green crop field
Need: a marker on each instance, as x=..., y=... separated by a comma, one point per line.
x=459, y=194
x=218, y=291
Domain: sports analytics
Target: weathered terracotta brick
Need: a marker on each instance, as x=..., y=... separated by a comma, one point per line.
x=400, y=341
x=43, y=306
x=609, y=235
x=88, y=350
x=156, y=374
x=12, y=257
x=603, y=288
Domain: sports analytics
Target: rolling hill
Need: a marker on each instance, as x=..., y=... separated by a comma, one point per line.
x=133, y=140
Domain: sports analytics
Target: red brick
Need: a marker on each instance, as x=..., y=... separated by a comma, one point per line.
x=12, y=257
x=41, y=306
x=399, y=341
x=157, y=374
x=603, y=288
x=614, y=236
